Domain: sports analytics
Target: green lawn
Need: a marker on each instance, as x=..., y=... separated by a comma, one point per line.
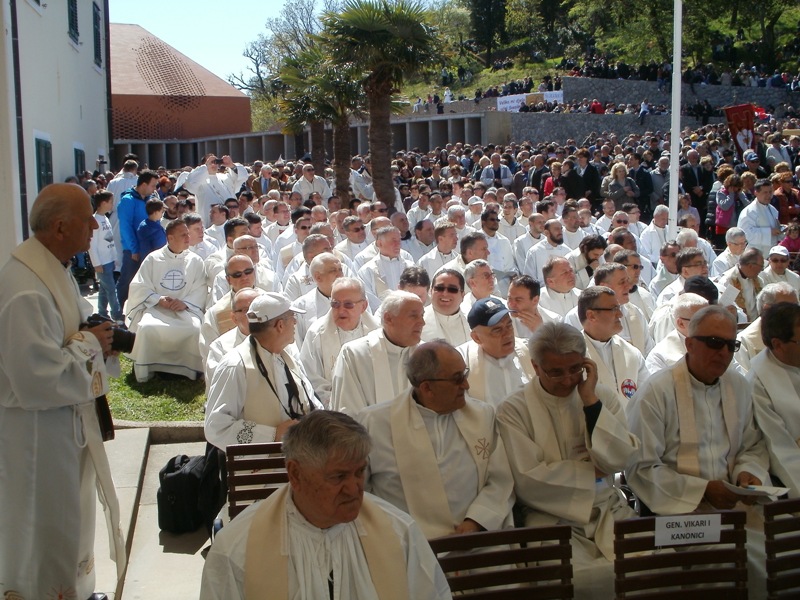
x=163, y=398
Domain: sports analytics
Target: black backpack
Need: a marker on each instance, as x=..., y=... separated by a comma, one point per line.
x=191, y=492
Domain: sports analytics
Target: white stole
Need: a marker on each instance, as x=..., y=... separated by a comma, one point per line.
x=330, y=344
x=479, y=384
x=779, y=387
x=624, y=378
x=422, y=483
x=688, y=461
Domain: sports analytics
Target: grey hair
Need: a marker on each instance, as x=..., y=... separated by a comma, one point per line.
x=320, y=261
x=423, y=363
x=323, y=434
x=734, y=233
x=453, y=210
x=348, y=283
x=769, y=294
x=394, y=301
x=661, y=208
x=555, y=338
x=471, y=268
x=686, y=301
x=715, y=310
x=48, y=208
x=385, y=231
x=751, y=256
x=685, y=236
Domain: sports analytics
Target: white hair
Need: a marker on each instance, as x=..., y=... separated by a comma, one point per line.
x=661, y=208
x=686, y=301
x=685, y=236
x=394, y=301
x=320, y=261
x=769, y=294
x=734, y=233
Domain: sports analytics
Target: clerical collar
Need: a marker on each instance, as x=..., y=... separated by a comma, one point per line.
x=597, y=343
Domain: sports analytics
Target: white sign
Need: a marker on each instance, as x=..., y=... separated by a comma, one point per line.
x=687, y=529
x=510, y=103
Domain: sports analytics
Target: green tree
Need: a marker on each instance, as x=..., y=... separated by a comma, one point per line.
x=388, y=41
x=324, y=92
x=488, y=20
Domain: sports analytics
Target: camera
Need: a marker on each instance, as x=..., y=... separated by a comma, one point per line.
x=218, y=161
x=122, y=340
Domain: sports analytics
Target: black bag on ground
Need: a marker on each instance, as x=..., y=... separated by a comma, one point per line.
x=191, y=492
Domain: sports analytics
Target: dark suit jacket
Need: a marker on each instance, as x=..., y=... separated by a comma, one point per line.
x=645, y=183
x=536, y=178
x=690, y=180
x=590, y=184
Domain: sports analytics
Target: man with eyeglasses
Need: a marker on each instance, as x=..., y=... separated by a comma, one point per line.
x=639, y=295
x=260, y=389
x=310, y=183
x=667, y=270
x=166, y=304
x=697, y=432
x=355, y=237
x=620, y=364
x=371, y=369
x=240, y=274
x=347, y=319
x=566, y=436
x=219, y=348
x=775, y=375
x=499, y=363
x=324, y=269
x=234, y=228
x=777, y=270
x=688, y=263
x=436, y=452
x=744, y=277
x=265, y=279
x=444, y=318
x=736, y=242
x=290, y=243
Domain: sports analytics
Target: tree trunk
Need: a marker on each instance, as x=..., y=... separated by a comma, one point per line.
x=341, y=159
x=318, y=146
x=380, y=144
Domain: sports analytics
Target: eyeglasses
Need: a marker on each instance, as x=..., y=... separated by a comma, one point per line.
x=718, y=343
x=635, y=267
x=616, y=309
x=304, y=227
x=455, y=379
x=621, y=222
x=348, y=305
x=310, y=170
x=779, y=260
x=355, y=230
x=381, y=210
x=698, y=264
x=238, y=274
x=493, y=220
x=451, y=289
x=559, y=375
x=247, y=248
x=671, y=254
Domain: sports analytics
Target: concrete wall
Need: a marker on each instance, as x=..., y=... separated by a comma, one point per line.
x=63, y=101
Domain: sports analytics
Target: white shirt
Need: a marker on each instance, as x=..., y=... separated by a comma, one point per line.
x=538, y=256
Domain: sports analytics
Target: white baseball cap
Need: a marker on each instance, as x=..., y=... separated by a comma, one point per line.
x=268, y=306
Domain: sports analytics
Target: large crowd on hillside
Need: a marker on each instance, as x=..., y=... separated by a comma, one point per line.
x=514, y=326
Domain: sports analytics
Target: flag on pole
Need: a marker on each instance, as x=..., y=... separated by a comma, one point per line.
x=741, y=119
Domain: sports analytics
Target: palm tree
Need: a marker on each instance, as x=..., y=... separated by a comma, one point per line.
x=389, y=40
x=323, y=91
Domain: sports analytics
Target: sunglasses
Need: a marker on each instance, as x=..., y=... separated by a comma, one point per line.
x=718, y=343
x=621, y=222
x=356, y=229
x=335, y=304
x=304, y=227
x=779, y=260
x=451, y=289
x=635, y=267
x=238, y=274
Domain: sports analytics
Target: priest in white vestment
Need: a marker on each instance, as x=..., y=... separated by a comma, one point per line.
x=346, y=320
x=200, y=243
x=501, y=254
x=639, y=296
x=165, y=307
x=444, y=249
x=539, y=254
x=620, y=365
x=219, y=318
x=321, y=536
x=736, y=242
x=559, y=295
x=371, y=369
x=436, y=453
x=775, y=375
x=523, y=304
x=654, y=235
x=499, y=363
x=325, y=268
x=382, y=273
x=225, y=343
x=215, y=263
x=265, y=277
x=52, y=460
x=745, y=278
x=566, y=436
x=355, y=237
x=778, y=271
x=532, y=236
x=260, y=389
x=572, y=232
x=759, y=219
x=673, y=347
x=689, y=262
x=444, y=318
x=586, y=258
x=696, y=427
x=750, y=337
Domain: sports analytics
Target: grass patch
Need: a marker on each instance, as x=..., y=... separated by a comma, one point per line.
x=163, y=398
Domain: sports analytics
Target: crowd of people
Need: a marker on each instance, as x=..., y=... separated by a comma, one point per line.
x=514, y=327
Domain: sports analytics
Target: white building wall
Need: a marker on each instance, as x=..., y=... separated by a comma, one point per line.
x=63, y=99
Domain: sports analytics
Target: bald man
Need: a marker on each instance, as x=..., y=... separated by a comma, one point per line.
x=51, y=370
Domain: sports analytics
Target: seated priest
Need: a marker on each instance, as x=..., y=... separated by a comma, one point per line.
x=165, y=306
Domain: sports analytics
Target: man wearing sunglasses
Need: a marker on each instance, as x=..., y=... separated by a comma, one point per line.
x=444, y=318
x=695, y=423
x=778, y=270
x=215, y=263
x=436, y=453
x=310, y=183
x=566, y=435
x=355, y=241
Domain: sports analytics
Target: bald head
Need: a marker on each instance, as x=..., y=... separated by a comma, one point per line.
x=62, y=219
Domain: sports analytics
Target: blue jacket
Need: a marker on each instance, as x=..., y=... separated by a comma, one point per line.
x=131, y=211
x=151, y=236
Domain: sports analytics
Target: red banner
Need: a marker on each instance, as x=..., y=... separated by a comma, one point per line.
x=740, y=122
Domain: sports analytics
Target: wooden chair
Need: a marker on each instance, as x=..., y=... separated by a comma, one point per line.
x=254, y=472
x=713, y=570
x=544, y=568
x=782, y=545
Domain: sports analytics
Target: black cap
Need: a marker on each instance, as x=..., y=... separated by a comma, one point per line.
x=486, y=312
x=702, y=286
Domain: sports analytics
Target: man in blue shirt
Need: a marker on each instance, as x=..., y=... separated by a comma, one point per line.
x=131, y=211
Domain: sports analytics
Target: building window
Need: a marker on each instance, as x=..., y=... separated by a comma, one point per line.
x=80, y=161
x=44, y=163
x=97, y=24
x=72, y=19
